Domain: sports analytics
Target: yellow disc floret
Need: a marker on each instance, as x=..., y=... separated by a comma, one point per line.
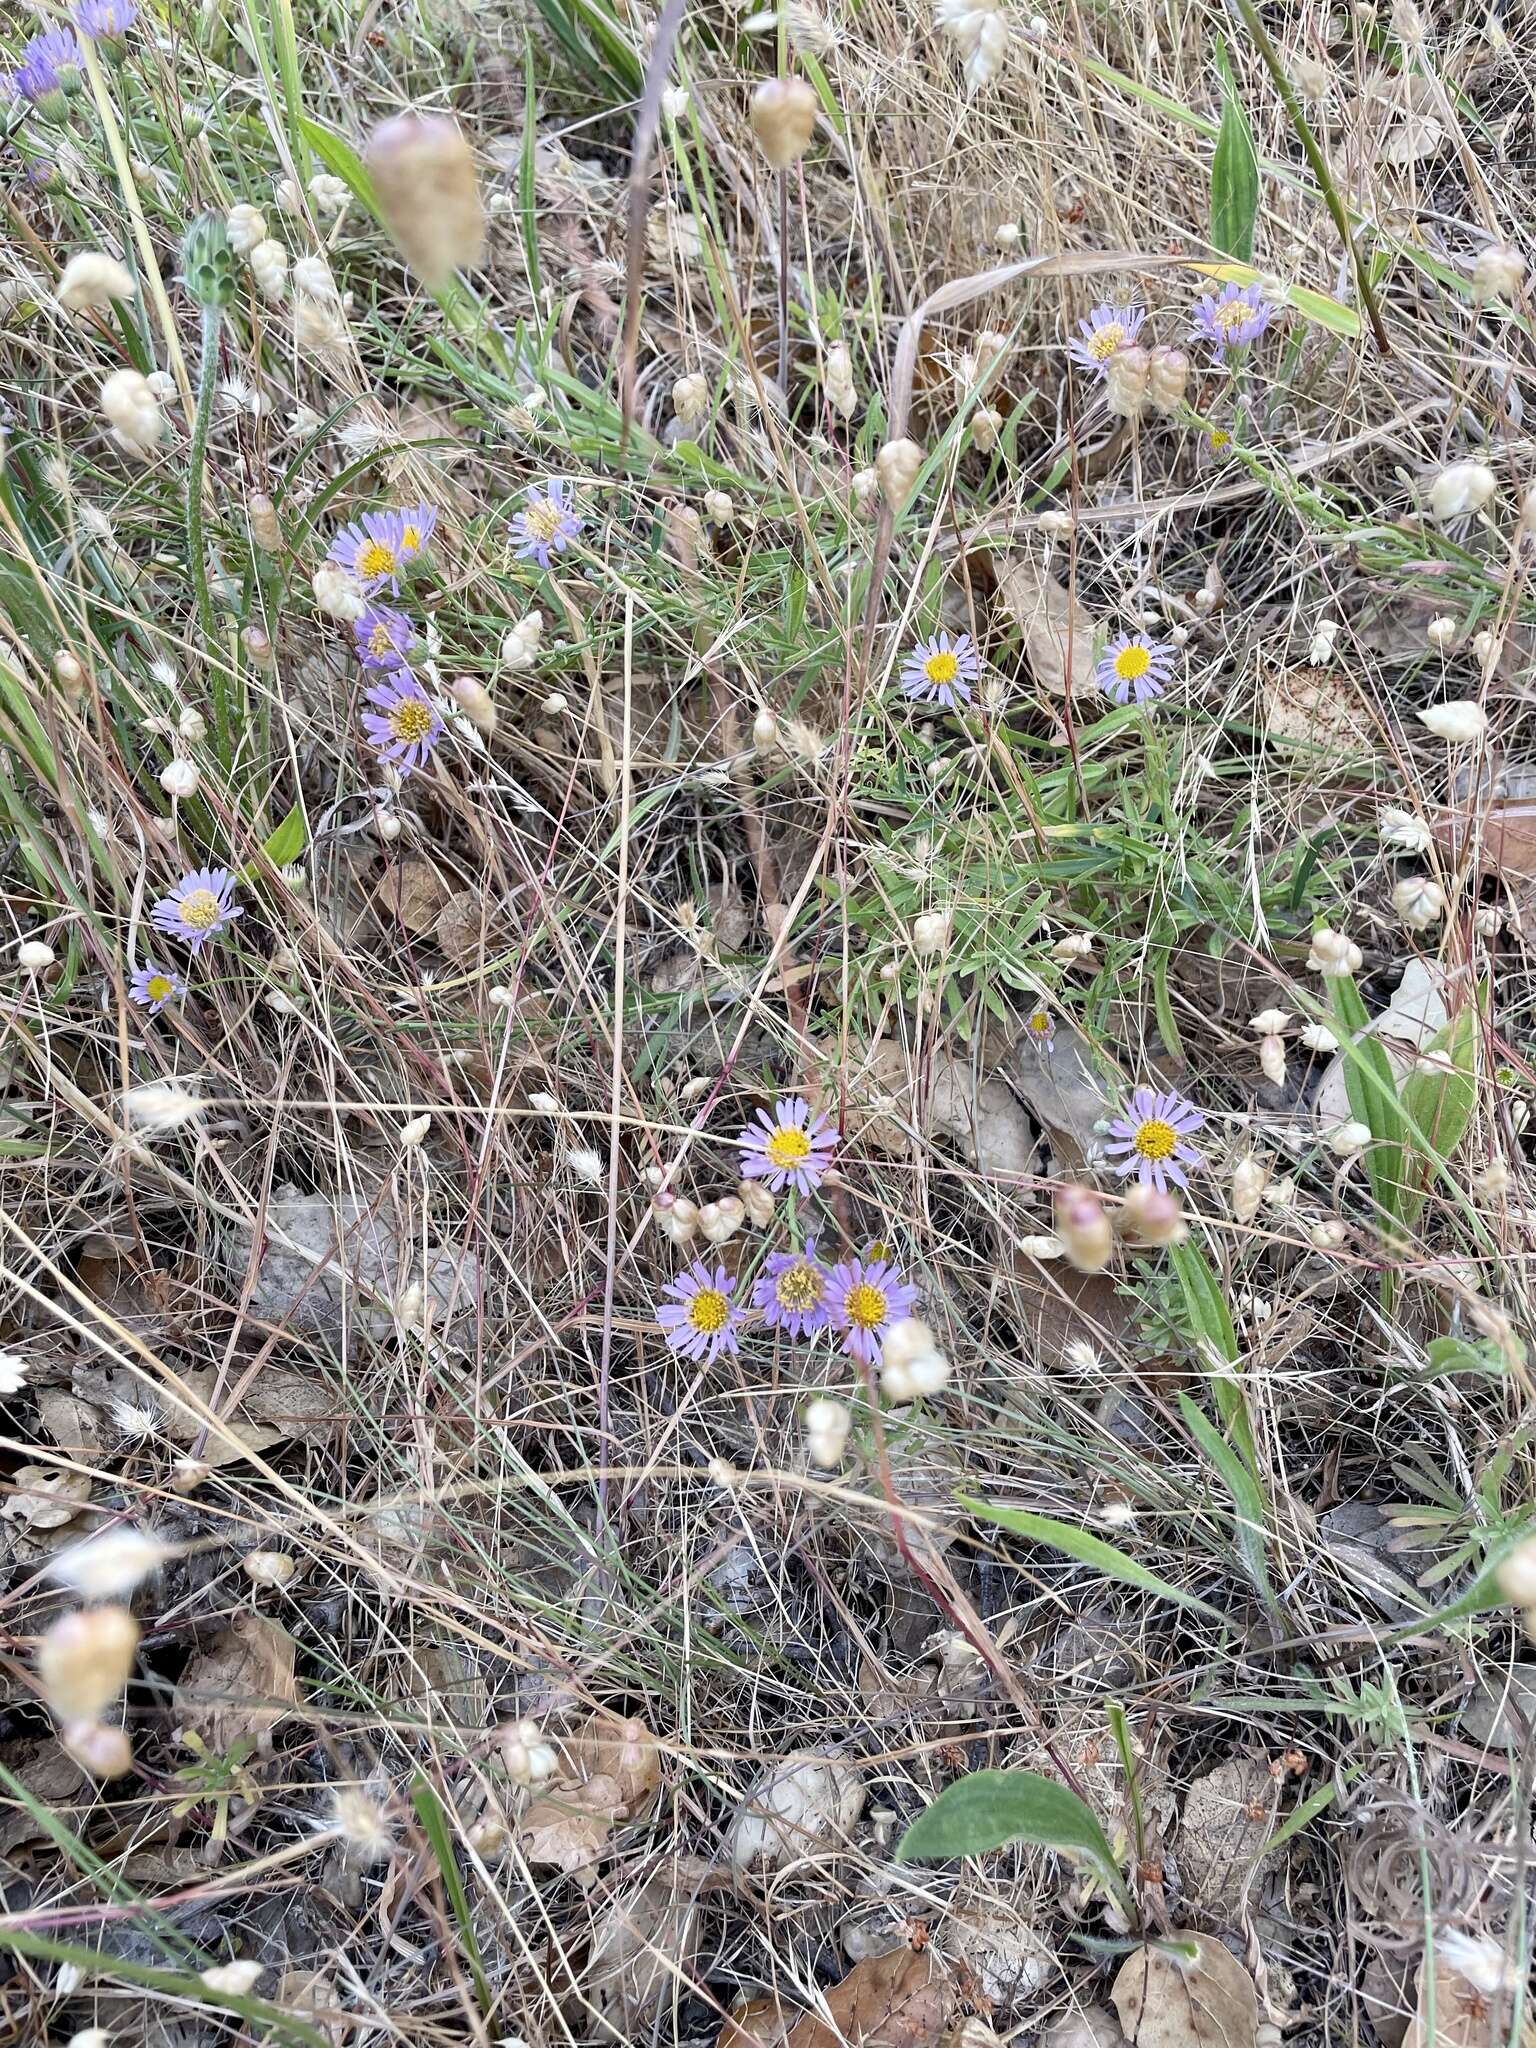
x=709, y=1312
x=375, y=559
x=788, y=1146
x=1132, y=663
x=411, y=721
x=199, y=910
x=941, y=668
x=798, y=1288
x=864, y=1306
x=1156, y=1139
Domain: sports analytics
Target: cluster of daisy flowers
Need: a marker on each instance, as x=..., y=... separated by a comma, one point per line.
x=52, y=65
x=403, y=726
x=200, y=907
x=859, y=1298
x=1230, y=320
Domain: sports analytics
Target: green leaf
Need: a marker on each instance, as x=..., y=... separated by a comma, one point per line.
x=1372, y=1089
x=1249, y=1519
x=1438, y=1104
x=1234, y=174
x=434, y=1820
x=989, y=1809
x=1207, y=1309
x=288, y=841
x=1091, y=1550
x=342, y=160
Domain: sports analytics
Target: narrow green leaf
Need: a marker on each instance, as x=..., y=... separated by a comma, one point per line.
x=1087, y=1549
x=1437, y=1106
x=342, y=160
x=989, y=1809
x=1372, y=1089
x=434, y=1821
x=1249, y=1519
x=1234, y=174
x=288, y=841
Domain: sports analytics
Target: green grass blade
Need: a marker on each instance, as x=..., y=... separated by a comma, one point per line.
x=1086, y=1549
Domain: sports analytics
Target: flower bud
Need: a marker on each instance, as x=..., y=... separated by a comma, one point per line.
x=931, y=930
x=1347, y=1139
x=104, y=1752
x=132, y=411
x=261, y=516
x=1333, y=954
x=338, y=594
x=33, y=956
x=269, y=267
x=246, y=226
x=690, y=401
x=1272, y=1058
x=179, y=779
x=837, y=379
x=1463, y=487
x=719, y=507
x=720, y=1221
x=84, y=1660
x=1084, y=1229
x=1127, y=376
x=1152, y=1216
x=911, y=1363
x=756, y=1197
x=1419, y=902
x=826, y=1432
x=1249, y=1177
x=1167, y=378
x=896, y=470
x=986, y=428
x=208, y=265
x=674, y=1216
x=783, y=119
x=529, y=1759
x=69, y=672
x=91, y=280
x=1459, y=723
x=423, y=171
x=257, y=642
x=1497, y=272
x=520, y=643
x=474, y=700
x=1517, y=1575
x=765, y=731
x=1441, y=631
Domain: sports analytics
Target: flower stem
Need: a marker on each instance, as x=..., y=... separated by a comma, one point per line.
x=197, y=553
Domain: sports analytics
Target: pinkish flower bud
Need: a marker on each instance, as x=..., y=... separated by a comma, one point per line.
x=104, y=1752
x=429, y=195
x=1152, y=1216
x=84, y=1661
x=1084, y=1229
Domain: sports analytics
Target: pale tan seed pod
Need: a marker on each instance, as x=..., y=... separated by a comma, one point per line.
x=84, y=1661
x=1152, y=1216
x=429, y=194
x=266, y=528
x=896, y=468
x=1127, y=375
x=1084, y=1229
x=104, y=1752
x=1167, y=378
x=474, y=700
x=784, y=119
x=1497, y=272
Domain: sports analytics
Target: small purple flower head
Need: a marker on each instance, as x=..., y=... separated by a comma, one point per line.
x=547, y=524
x=152, y=987
x=864, y=1298
x=105, y=21
x=1134, y=669
x=1040, y=1029
x=200, y=906
x=1106, y=330
x=792, y=1291
x=701, y=1320
x=790, y=1149
x=406, y=725
x=1151, y=1137
x=418, y=523
x=50, y=70
x=373, y=549
x=1233, y=317
x=384, y=637
x=942, y=670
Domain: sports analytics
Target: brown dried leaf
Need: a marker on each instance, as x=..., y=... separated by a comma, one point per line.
x=760, y=2023
x=1229, y=1814
x=643, y=1948
x=51, y=1776
x=1505, y=837
x=1317, y=707
x=241, y=1685
x=46, y=1496
x=567, y=1829
x=622, y=1753
x=461, y=927
x=899, y=2000
x=1464, y=2016
x=1058, y=631
x=412, y=891
x=1206, y=2003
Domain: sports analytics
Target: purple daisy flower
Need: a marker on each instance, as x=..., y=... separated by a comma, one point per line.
x=1233, y=317
x=152, y=987
x=50, y=70
x=105, y=21
x=864, y=1298
x=1106, y=330
x=790, y=1149
x=1040, y=1029
x=1151, y=1137
x=547, y=524
x=792, y=1291
x=701, y=1320
x=373, y=549
x=406, y=726
x=200, y=906
x=384, y=637
x=942, y=670
x=1135, y=669
x=418, y=523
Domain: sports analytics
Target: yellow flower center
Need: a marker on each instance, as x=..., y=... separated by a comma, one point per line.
x=410, y=541
x=379, y=641
x=411, y=720
x=941, y=668
x=1103, y=343
x=788, y=1146
x=865, y=1306
x=542, y=520
x=200, y=909
x=158, y=987
x=375, y=559
x=1232, y=314
x=799, y=1287
x=709, y=1312
x=1220, y=440
x=1040, y=1023
x=1132, y=663
x=1156, y=1139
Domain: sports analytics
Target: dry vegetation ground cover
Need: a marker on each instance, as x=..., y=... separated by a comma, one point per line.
x=433, y=1611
